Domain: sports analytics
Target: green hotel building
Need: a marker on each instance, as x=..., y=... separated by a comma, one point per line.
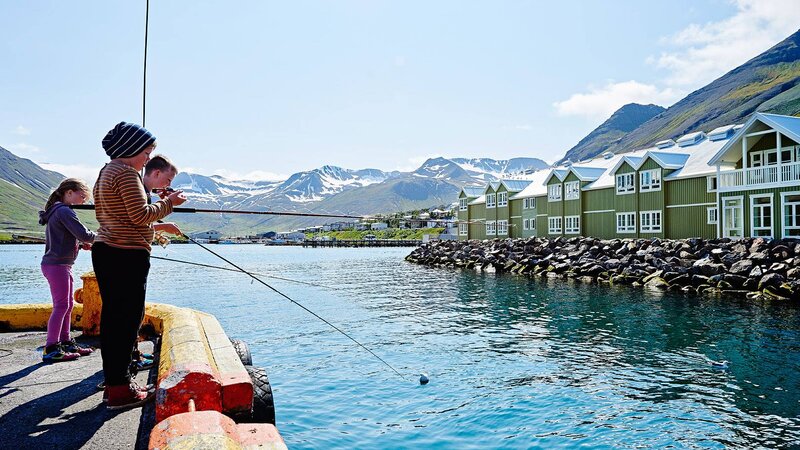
x=734, y=181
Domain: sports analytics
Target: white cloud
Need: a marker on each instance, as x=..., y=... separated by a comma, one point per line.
x=22, y=131
x=601, y=102
x=84, y=172
x=698, y=54
x=23, y=149
x=705, y=52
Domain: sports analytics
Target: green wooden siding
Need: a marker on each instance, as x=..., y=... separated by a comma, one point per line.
x=688, y=191
x=688, y=222
x=477, y=227
x=598, y=199
x=599, y=225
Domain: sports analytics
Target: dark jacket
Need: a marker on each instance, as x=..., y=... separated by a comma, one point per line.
x=63, y=232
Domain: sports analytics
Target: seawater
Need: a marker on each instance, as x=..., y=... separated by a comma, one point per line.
x=513, y=362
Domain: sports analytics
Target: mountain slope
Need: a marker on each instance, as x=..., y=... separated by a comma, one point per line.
x=24, y=188
x=767, y=83
x=623, y=121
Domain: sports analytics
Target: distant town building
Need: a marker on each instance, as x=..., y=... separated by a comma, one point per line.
x=379, y=226
x=211, y=235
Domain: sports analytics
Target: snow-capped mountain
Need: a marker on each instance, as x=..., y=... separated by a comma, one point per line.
x=487, y=169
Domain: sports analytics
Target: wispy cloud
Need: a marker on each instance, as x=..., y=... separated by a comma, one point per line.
x=22, y=131
x=705, y=52
x=601, y=102
x=84, y=172
x=23, y=149
x=695, y=56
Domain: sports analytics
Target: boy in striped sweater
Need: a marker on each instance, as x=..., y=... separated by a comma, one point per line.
x=121, y=254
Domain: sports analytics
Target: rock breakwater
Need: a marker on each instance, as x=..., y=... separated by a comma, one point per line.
x=752, y=268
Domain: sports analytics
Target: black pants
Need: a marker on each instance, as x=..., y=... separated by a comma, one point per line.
x=122, y=277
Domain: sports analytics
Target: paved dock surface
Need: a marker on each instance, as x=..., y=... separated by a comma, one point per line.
x=57, y=405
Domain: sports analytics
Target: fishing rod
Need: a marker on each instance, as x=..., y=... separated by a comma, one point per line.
x=296, y=303
x=210, y=266
x=239, y=211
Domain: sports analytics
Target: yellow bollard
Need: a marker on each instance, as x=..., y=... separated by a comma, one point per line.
x=89, y=296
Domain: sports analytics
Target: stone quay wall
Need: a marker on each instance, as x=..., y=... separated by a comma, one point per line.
x=751, y=268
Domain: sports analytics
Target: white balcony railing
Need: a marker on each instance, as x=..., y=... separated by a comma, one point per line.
x=755, y=176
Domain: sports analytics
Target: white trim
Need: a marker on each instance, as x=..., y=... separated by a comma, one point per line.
x=651, y=227
x=709, y=221
x=759, y=133
x=572, y=190
x=554, y=196
x=630, y=226
x=576, y=228
x=515, y=217
x=463, y=229
x=491, y=228
x=692, y=204
x=541, y=215
x=502, y=228
x=653, y=186
x=600, y=211
x=779, y=184
x=783, y=215
x=709, y=189
x=723, y=217
x=502, y=203
x=555, y=225
x=771, y=205
x=463, y=204
x=493, y=203
x=629, y=188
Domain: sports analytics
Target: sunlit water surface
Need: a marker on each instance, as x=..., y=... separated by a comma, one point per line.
x=513, y=362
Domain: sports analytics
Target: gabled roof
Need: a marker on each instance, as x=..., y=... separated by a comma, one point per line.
x=787, y=125
x=493, y=186
x=536, y=187
x=666, y=160
x=561, y=173
x=472, y=191
x=633, y=161
x=587, y=173
x=515, y=185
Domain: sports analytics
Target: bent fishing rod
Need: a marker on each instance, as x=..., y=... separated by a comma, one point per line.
x=296, y=303
x=179, y=209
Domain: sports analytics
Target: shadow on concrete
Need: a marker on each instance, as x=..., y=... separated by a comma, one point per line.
x=44, y=423
x=5, y=380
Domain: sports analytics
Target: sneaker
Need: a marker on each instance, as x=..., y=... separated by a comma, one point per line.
x=147, y=355
x=148, y=388
x=126, y=396
x=55, y=353
x=71, y=346
x=142, y=363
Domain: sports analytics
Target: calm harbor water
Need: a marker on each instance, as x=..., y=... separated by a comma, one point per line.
x=513, y=362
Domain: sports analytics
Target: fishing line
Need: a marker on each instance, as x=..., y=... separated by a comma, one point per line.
x=210, y=266
x=296, y=303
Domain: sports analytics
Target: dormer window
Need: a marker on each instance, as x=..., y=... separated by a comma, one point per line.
x=650, y=180
x=572, y=190
x=490, y=200
x=553, y=192
x=502, y=199
x=626, y=183
x=462, y=204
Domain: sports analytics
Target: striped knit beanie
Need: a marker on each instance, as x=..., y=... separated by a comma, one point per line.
x=126, y=140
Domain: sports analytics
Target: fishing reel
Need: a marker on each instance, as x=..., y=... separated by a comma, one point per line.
x=162, y=240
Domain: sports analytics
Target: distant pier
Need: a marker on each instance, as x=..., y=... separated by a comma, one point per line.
x=363, y=243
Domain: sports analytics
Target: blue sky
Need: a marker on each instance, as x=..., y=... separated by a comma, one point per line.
x=263, y=89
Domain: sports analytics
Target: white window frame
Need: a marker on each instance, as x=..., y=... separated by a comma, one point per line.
x=725, y=211
x=760, y=207
x=554, y=225
x=651, y=221
x=529, y=203
x=463, y=229
x=529, y=224
x=712, y=215
x=553, y=192
x=462, y=204
x=711, y=183
x=650, y=180
x=572, y=224
x=491, y=201
x=572, y=190
x=626, y=188
x=628, y=224
x=787, y=220
x=491, y=228
x=502, y=199
x=502, y=228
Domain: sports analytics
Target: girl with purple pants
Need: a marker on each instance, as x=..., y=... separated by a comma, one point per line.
x=63, y=235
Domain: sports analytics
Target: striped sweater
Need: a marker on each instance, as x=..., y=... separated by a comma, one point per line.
x=126, y=219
